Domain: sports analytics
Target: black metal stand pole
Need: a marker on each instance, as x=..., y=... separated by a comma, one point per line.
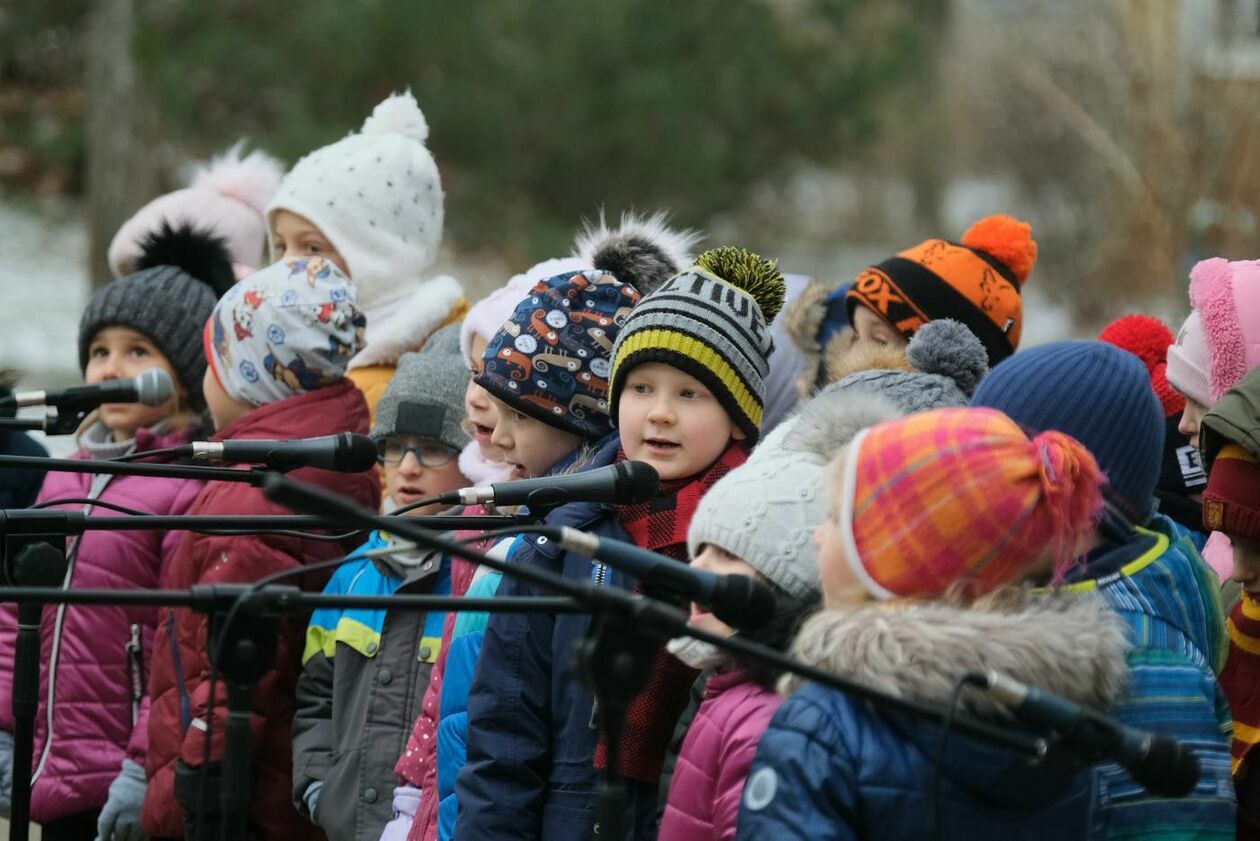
x=38, y=564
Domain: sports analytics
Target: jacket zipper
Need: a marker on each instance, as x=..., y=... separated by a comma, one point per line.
x=135, y=671
x=599, y=577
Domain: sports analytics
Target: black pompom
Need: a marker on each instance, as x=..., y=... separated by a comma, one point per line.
x=199, y=253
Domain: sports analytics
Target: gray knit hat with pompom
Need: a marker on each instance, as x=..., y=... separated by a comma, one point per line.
x=949, y=363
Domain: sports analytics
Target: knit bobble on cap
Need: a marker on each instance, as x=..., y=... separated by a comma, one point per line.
x=947, y=348
x=1008, y=240
x=752, y=273
x=399, y=114
x=1072, y=485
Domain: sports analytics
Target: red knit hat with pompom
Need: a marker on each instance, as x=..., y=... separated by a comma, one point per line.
x=1148, y=339
x=976, y=282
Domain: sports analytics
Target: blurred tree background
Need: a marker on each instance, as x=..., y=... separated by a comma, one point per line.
x=540, y=113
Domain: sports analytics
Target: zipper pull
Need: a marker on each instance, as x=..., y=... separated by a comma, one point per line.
x=135, y=667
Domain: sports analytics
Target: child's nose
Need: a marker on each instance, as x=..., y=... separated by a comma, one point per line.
x=410, y=465
x=662, y=412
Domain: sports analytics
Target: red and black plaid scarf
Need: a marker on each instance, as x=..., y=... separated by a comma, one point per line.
x=660, y=525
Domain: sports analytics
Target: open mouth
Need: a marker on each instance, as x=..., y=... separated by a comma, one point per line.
x=519, y=471
x=661, y=444
x=482, y=432
x=409, y=493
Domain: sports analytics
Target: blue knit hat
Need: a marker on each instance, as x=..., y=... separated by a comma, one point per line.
x=1099, y=395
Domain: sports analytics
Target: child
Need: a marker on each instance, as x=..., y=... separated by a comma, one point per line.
x=91, y=728
x=643, y=252
x=780, y=485
x=277, y=345
x=977, y=282
x=372, y=204
x=362, y=680
x=686, y=387
x=225, y=199
x=483, y=464
x=1231, y=505
x=1181, y=476
x=1218, y=344
x=1144, y=565
x=948, y=501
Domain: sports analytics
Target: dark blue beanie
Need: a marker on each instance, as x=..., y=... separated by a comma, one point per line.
x=1098, y=394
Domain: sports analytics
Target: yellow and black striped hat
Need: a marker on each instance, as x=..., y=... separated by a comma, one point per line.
x=712, y=322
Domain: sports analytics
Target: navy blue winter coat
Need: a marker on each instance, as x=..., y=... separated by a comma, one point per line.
x=832, y=767
x=531, y=731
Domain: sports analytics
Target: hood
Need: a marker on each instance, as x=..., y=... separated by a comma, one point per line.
x=339, y=407
x=1235, y=419
x=402, y=325
x=1074, y=647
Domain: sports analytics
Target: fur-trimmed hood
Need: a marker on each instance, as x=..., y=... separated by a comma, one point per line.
x=1072, y=646
x=402, y=325
x=817, y=324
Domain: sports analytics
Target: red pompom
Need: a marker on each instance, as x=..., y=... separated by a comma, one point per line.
x=1007, y=239
x=1148, y=339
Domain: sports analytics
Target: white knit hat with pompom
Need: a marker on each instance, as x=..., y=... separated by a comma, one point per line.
x=225, y=198
x=377, y=197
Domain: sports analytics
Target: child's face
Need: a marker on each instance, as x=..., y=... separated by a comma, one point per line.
x=294, y=236
x=1190, y=420
x=530, y=446
x=871, y=328
x=1246, y=564
x=672, y=421
x=717, y=560
x=838, y=581
x=223, y=408
x=120, y=353
x=479, y=408
x=418, y=468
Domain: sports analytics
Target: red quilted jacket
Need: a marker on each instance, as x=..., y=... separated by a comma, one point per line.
x=179, y=682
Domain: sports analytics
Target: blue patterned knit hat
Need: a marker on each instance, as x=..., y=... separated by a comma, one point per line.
x=551, y=360
x=1098, y=394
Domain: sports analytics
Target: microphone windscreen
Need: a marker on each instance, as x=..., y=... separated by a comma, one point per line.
x=1169, y=769
x=154, y=387
x=637, y=481
x=358, y=455
x=743, y=602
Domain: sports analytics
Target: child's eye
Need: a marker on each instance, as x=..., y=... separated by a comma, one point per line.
x=313, y=248
x=139, y=351
x=641, y=388
x=99, y=353
x=689, y=393
x=517, y=416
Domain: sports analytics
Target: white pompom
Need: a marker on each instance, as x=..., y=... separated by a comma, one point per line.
x=399, y=114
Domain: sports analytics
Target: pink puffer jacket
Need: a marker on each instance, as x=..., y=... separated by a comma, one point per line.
x=94, y=656
x=716, y=754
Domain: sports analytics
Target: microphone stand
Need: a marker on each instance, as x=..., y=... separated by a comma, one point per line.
x=34, y=555
x=50, y=424
x=617, y=654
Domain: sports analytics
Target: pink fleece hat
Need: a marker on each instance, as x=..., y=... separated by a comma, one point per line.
x=488, y=315
x=1187, y=364
x=1226, y=295
x=226, y=198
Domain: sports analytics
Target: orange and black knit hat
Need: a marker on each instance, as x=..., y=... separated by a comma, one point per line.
x=977, y=282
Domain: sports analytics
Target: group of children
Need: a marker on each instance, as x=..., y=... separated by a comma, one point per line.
x=929, y=503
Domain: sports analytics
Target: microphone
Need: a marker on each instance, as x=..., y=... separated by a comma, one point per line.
x=738, y=600
x=625, y=482
x=345, y=452
x=152, y=387
x=1160, y=764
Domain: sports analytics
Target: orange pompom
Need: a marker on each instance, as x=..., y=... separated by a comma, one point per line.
x=1007, y=239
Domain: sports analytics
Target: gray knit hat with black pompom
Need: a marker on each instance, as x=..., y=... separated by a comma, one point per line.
x=948, y=361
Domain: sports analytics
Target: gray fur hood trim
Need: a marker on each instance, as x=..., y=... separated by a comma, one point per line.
x=1072, y=646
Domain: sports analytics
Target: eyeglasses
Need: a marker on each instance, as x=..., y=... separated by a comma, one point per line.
x=393, y=449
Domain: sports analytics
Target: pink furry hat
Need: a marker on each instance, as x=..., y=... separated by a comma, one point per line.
x=226, y=198
x=1226, y=295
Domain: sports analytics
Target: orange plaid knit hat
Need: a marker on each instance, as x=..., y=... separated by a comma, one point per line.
x=962, y=495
